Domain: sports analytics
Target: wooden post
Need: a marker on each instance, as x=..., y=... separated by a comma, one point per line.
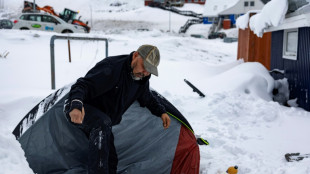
x=69, y=50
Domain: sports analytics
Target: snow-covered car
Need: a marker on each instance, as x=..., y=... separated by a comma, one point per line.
x=215, y=35
x=6, y=24
x=45, y=22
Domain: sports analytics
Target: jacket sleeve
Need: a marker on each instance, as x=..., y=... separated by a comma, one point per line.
x=151, y=102
x=97, y=81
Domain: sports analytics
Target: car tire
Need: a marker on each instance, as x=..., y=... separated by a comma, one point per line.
x=67, y=31
x=24, y=28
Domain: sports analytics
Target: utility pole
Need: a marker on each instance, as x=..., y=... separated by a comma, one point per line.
x=91, y=16
x=169, y=3
x=170, y=19
x=34, y=5
x=1, y=4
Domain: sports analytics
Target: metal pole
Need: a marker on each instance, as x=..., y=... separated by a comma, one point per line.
x=169, y=17
x=34, y=5
x=91, y=16
x=52, y=46
x=69, y=49
x=106, y=48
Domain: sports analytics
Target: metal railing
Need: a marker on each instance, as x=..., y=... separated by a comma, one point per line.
x=175, y=10
x=52, y=47
x=189, y=23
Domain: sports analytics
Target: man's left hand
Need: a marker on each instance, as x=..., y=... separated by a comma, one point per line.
x=166, y=120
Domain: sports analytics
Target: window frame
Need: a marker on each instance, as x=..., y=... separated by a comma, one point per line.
x=24, y=17
x=287, y=54
x=246, y=3
x=6, y=23
x=252, y=3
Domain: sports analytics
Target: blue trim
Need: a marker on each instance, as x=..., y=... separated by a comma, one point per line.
x=232, y=19
x=206, y=20
x=49, y=28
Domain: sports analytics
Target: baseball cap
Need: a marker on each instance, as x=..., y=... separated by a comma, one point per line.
x=151, y=58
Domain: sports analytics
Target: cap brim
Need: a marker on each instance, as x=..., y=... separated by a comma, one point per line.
x=150, y=68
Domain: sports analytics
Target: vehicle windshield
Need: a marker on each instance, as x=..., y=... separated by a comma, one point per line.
x=6, y=23
x=68, y=15
x=73, y=15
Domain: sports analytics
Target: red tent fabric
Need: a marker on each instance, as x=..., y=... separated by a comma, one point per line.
x=187, y=157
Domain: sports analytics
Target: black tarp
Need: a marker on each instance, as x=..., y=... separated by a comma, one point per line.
x=53, y=145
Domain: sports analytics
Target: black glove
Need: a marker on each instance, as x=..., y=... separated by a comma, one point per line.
x=70, y=105
x=76, y=104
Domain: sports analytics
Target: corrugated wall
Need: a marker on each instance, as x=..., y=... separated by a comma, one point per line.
x=243, y=44
x=254, y=49
x=296, y=71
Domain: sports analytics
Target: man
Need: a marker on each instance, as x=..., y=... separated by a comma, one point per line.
x=112, y=86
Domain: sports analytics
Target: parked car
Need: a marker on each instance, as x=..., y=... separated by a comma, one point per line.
x=45, y=22
x=6, y=24
x=215, y=35
x=197, y=36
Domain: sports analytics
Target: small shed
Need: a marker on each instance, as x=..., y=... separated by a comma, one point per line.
x=241, y=7
x=213, y=8
x=228, y=9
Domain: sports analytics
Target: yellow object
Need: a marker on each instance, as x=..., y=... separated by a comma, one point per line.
x=232, y=170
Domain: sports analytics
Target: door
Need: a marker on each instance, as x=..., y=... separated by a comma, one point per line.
x=34, y=22
x=50, y=23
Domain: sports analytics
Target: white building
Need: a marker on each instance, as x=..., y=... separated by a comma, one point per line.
x=228, y=9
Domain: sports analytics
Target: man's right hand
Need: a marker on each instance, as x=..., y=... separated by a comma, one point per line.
x=77, y=116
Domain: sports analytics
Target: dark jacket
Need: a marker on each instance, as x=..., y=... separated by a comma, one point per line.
x=109, y=87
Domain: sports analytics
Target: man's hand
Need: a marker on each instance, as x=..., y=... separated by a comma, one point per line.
x=77, y=116
x=166, y=120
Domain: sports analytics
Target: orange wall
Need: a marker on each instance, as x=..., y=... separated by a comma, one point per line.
x=254, y=49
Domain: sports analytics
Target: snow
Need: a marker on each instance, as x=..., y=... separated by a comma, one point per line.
x=272, y=15
x=238, y=117
x=242, y=22
x=214, y=7
x=197, y=8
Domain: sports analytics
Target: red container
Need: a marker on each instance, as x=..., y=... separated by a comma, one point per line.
x=226, y=24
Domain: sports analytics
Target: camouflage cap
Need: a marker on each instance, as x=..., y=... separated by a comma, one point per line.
x=151, y=58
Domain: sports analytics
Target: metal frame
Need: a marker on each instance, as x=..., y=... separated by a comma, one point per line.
x=287, y=54
x=52, y=47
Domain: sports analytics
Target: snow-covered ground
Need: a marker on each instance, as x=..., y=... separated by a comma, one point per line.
x=237, y=116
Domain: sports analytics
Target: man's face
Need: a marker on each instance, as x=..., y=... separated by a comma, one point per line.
x=138, y=70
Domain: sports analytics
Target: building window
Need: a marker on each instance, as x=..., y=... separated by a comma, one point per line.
x=290, y=44
x=252, y=3
x=246, y=3
x=196, y=1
